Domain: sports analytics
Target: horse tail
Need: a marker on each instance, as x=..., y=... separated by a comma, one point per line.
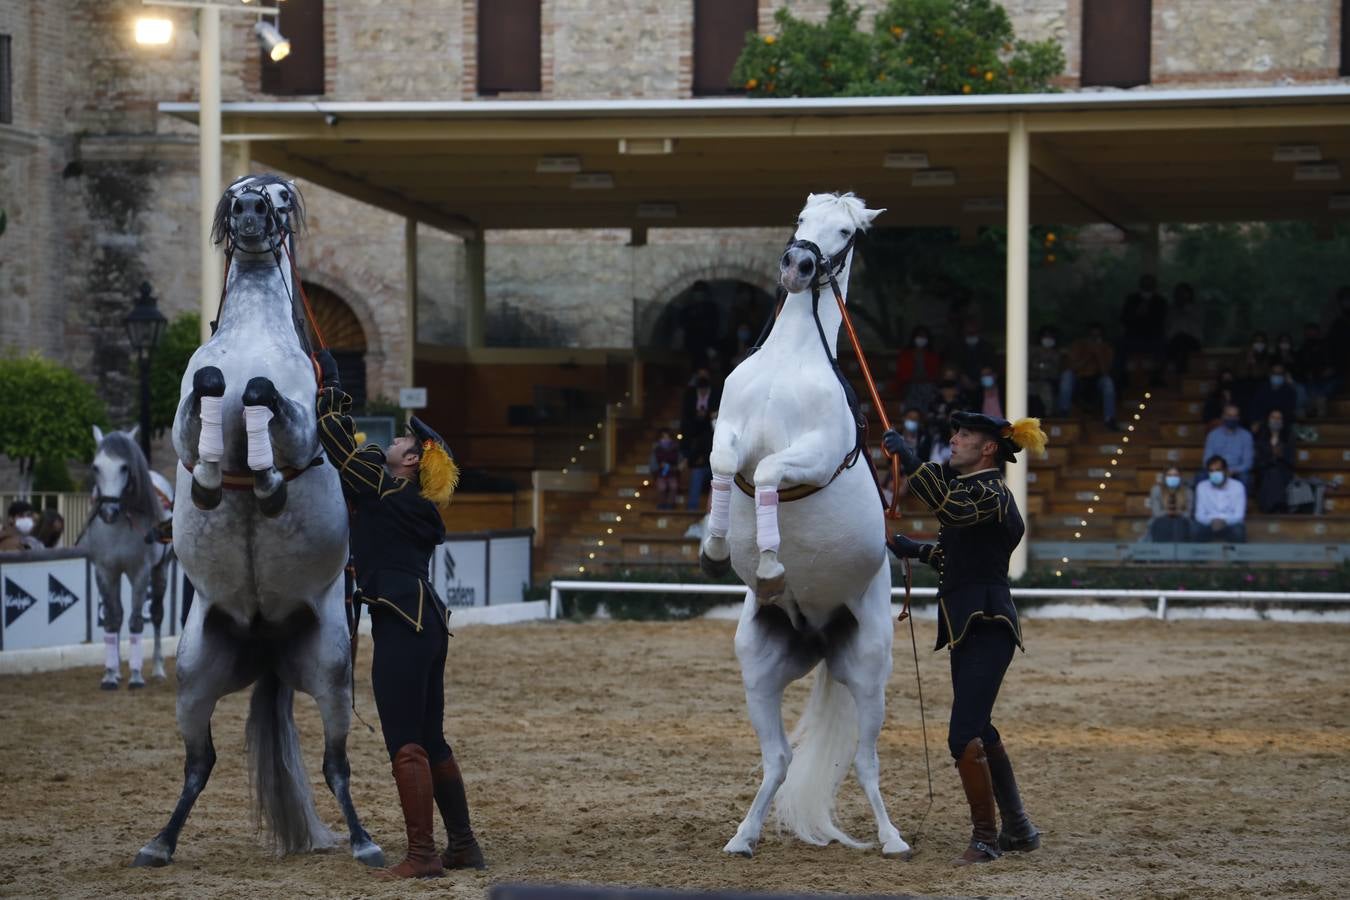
x=823, y=744
x=281, y=795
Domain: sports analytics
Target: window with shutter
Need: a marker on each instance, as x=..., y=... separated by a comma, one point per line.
x=1116, y=41
x=508, y=46
x=6, y=82
x=301, y=72
x=719, y=36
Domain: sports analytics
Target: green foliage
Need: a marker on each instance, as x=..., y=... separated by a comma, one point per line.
x=914, y=47
x=167, y=365
x=52, y=475
x=48, y=412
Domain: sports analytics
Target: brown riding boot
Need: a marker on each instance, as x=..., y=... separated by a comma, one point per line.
x=973, y=768
x=412, y=774
x=462, y=851
x=1017, y=834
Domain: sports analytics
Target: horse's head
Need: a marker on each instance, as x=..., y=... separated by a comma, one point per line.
x=120, y=475
x=257, y=213
x=820, y=247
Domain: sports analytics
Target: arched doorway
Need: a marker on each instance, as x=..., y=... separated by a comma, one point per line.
x=710, y=320
x=345, y=337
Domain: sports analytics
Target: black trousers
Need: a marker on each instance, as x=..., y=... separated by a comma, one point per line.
x=978, y=665
x=407, y=673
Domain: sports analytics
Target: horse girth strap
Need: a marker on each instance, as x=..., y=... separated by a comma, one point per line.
x=798, y=491
x=240, y=481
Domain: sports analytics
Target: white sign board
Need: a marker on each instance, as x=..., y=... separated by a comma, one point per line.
x=412, y=397
x=461, y=572
x=45, y=603
x=509, y=564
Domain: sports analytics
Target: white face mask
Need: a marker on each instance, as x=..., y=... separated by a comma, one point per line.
x=25, y=525
x=921, y=341
x=1047, y=342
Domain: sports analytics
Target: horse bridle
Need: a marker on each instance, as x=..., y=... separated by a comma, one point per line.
x=278, y=227
x=827, y=270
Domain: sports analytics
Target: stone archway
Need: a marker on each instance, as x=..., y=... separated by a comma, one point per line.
x=345, y=336
x=719, y=314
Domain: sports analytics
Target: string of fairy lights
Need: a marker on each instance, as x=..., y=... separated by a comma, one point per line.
x=1114, y=460
x=628, y=506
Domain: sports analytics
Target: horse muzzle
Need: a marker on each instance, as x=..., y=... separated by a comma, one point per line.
x=796, y=270
x=109, y=510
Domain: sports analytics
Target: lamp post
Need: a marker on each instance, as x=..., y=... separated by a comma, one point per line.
x=152, y=31
x=144, y=324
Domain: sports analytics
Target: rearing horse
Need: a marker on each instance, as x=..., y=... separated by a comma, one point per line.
x=261, y=529
x=815, y=563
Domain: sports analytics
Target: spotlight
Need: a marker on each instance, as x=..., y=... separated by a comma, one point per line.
x=277, y=46
x=153, y=32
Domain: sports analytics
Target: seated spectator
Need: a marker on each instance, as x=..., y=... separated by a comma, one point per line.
x=1220, y=506
x=1225, y=394
x=741, y=342
x=1274, y=464
x=914, y=434
x=989, y=398
x=1316, y=370
x=916, y=370
x=1276, y=393
x=972, y=356
x=20, y=522
x=940, y=411
x=665, y=468
x=1089, y=360
x=1171, y=503
x=1185, y=324
x=1233, y=444
x=1045, y=363
x=696, y=450
x=51, y=525
x=701, y=394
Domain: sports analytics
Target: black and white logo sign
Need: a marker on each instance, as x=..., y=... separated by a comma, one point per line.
x=17, y=602
x=59, y=598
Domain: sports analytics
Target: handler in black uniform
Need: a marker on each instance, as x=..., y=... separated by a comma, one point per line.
x=979, y=525
x=395, y=497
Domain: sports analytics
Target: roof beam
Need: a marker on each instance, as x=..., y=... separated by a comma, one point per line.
x=1071, y=180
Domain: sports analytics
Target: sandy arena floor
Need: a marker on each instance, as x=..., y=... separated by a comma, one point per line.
x=1195, y=759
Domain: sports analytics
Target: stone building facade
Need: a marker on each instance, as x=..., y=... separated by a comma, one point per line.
x=100, y=189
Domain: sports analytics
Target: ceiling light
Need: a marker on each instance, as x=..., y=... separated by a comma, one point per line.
x=1323, y=171
x=1297, y=153
x=905, y=159
x=558, y=165
x=153, y=32
x=592, y=181
x=646, y=146
x=653, y=210
x=276, y=46
x=983, y=204
x=933, y=178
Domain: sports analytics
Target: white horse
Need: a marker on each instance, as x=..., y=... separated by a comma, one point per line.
x=819, y=580
x=121, y=538
x=261, y=530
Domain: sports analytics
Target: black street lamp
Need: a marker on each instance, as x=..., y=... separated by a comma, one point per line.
x=144, y=325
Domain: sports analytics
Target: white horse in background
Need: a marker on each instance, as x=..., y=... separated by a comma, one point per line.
x=819, y=580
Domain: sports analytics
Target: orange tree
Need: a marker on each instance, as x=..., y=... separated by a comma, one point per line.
x=914, y=47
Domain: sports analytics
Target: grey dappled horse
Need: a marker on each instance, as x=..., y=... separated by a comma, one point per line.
x=261, y=530
x=121, y=539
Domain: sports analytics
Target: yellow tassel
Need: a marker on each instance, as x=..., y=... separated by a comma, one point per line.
x=1027, y=434
x=438, y=473
x=360, y=438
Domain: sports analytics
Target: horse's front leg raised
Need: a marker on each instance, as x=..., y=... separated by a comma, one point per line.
x=805, y=462
x=714, y=557
x=199, y=437
x=274, y=423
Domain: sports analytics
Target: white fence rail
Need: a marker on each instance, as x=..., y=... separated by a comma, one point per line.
x=1159, y=597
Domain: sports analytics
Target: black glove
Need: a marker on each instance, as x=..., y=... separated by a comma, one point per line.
x=896, y=445
x=328, y=369
x=904, y=547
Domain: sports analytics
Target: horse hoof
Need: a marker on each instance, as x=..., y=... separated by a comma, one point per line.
x=904, y=852
x=369, y=855
x=135, y=682
x=713, y=568
x=159, y=674
x=152, y=856
x=106, y=685
x=738, y=847
x=205, y=499
x=272, y=505
x=110, y=680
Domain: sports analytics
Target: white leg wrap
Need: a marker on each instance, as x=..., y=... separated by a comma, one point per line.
x=211, y=444
x=766, y=518
x=137, y=654
x=719, y=522
x=259, y=441
x=111, y=656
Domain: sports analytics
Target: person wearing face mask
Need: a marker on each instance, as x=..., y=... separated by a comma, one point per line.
x=703, y=395
x=1045, y=365
x=20, y=522
x=1220, y=505
x=1232, y=443
x=1274, y=466
x=1090, y=360
x=990, y=393
x=1171, y=503
x=1277, y=393
x=971, y=355
x=916, y=370
x=914, y=435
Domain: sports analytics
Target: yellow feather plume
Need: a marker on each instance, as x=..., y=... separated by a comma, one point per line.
x=1028, y=434
x=438, y=473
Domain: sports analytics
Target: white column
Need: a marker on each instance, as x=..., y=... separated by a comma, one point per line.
x=410, y=299
x=475, y=309
x=1015, y=379
x=238, y=161
x=208, y=134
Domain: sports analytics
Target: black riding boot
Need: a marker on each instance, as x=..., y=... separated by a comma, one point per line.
x=462, y=850
x=1017, y=834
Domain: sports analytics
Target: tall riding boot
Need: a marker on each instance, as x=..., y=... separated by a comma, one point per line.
x=973, y=767
x=1017, y=834
x=412, y=774
x=462, y=851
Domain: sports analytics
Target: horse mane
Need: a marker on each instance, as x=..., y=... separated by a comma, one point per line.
x=138, y=497
x=854, y=206
x=220, y=222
